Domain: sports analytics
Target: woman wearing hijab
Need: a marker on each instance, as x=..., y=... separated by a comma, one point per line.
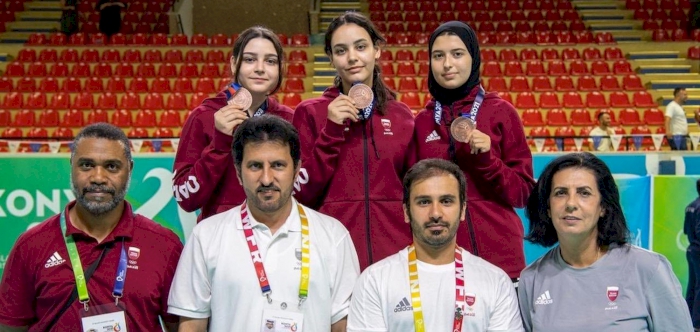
x=494, y=155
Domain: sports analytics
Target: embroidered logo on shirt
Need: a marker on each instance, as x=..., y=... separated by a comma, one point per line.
x=54, y=260
x=612, y=292
x=432, y=137
x=134, y=254
x=386, y=123
x=403, y=305
x=470, y=299
x=544, y=299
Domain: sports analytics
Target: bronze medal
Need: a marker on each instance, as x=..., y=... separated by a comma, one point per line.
x=242, y=98
x=362, y=95
x=460, y=128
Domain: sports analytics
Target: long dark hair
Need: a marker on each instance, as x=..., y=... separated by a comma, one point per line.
x=381, y=90
x=612, y=226
x=258, y=32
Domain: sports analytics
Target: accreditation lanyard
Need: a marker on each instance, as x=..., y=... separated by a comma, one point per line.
x=80, y=282
x=415, y=290
x=257, y=260
x=478, y=100
x=231, y=90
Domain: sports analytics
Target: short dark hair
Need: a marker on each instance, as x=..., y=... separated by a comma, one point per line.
x=697, y=186
x=258, y=32
x=677, y=90
x=105, y=131
x=600, y=115
x=612, y=226
x=382, y=92
x=265, y=128
x=428, y=168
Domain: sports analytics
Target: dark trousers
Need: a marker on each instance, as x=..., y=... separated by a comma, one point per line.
x=692, y=296
x=683, y=146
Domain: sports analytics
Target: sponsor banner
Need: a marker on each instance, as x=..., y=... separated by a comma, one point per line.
x=672, y=194
x=35, y=187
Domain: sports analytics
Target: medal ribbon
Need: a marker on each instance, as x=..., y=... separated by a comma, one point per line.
x=231, y=91
x=79, y=274
x=257, y=259
x=471, y=115
x=418, y=321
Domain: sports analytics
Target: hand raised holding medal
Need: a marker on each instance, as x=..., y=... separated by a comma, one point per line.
x=234, y=113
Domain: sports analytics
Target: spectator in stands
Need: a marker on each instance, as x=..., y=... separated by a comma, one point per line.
x=495, y=156
x=69, y=17
x=204, y=174
x=110, y=16
x=676, y=123
x=601, y=133
x=354, y=159
x=99, y=229
x=594, y=280
x=691, y=228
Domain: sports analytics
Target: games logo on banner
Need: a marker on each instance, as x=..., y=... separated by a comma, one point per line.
x=671, y=196
x=40, y=187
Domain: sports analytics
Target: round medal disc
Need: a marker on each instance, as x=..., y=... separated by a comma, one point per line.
x=362, y=95
x=242, y=98
x=460, y=128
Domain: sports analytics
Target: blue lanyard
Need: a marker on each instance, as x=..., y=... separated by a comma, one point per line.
x=471, y=115
x=235, y=87
x=119, y=279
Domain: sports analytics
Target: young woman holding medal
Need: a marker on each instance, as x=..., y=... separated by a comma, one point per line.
x=204, y=174
x=482, y=134
x=354, y=142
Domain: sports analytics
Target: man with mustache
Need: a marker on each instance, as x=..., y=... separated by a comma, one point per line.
x=434, y=285
x=270, y=258
x=96, y=262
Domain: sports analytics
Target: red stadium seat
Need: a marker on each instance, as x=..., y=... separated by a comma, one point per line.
x=173, y=56
x=557, y=117
x=153, y=101
x=629, y=117
x=179, y=40
x=24, y=118
x=60, y=101
x=525, y=100
x=622, y=67
x=540, y=84
x=152, y=56
x=600, y=67
x=595, y=99
x=107, y=101
x=211, y=69
x=93, y=84
x=6, y=84
x=83, y=101
x=573, y=100
x=170, y=118
x=111, y=56
x=183, y=85
x=167, y=70
x=5, y=118
x=36, y=101
x=643, y=99
x=95, y=116
x=581, y=117
x=15, y=69
x=160, y=85
x=48, y=55
x=130, y=101
x=194, y=56
x=532, y=117
x=412, y=100
x=139, y=85
x=145, y=119
x=291, y=99
x=102, y=70
x=297, y=70
x=564, y=83
x=654, y=117
x=176, y=101
x=13, y=100
x=26, y=84
x=48, y=118
x=609, y=83
x=121, y=118
x=146, y=70
x=199, y=39
x=26, y=55
x=73, y=119
x=116, y=85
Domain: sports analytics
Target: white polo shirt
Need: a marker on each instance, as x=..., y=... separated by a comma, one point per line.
x=216, y=278
x=679, y=123
x=381, y=300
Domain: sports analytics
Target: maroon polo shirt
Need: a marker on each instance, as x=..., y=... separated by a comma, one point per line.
x=38, y=277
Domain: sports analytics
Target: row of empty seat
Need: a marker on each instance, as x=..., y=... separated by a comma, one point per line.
x=125, y=69
x=584, y=117
x=488, y=26
x=92, y=55
x=463, y=5
x=479, y=17
x=518, y=68
x=108, y=100
x=121, y=85
x=155, y=39
x=658, y=4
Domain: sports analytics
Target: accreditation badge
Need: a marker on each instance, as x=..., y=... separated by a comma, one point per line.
x=282, y=317
x=104, y=318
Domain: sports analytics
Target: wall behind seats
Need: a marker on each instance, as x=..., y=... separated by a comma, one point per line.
x=229, y=17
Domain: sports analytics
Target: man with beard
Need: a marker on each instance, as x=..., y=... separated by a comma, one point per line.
x=96, y=262
x=269, y=258
x=434, y=285
x=602, y=134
